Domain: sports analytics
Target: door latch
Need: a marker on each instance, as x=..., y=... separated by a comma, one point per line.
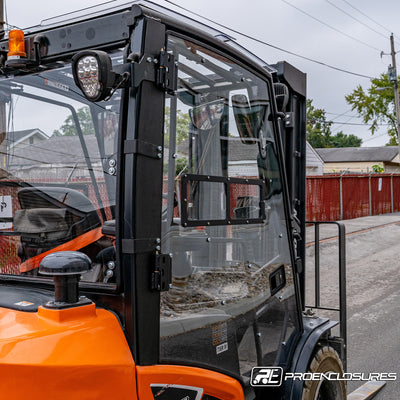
x=161, y=277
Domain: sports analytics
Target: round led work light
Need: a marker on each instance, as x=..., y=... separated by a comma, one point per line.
x=93, y=74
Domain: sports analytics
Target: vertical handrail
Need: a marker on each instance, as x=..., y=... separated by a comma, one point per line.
x=342, y=279
x=342, y=289
x=317, y=264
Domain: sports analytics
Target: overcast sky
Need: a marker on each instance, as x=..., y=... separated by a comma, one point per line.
x=278, y=23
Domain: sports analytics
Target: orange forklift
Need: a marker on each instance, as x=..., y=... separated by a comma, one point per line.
x=152, y=224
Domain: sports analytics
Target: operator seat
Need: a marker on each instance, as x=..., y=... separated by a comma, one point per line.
x=51, y=216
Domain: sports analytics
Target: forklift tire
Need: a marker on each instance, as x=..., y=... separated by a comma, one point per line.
x=325, y=360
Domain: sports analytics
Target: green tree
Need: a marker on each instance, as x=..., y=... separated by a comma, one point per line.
x=68, y=128
x=376, y=105
x=319, y=132
x=182, y=126
x=377, y=169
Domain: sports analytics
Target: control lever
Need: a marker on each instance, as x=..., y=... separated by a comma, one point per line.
x=66, y=268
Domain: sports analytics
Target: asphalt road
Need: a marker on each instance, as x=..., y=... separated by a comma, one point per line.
x=373, y=294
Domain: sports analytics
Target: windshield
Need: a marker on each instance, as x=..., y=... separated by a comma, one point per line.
x=57, y=173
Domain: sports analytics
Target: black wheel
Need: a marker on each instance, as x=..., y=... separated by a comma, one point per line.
x=325, y=360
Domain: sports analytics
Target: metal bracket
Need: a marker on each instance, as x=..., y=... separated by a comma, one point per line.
x=143, y=70
x=161, y=277
x=163, y=71
x=289, y=120
x=134, y=246
x=147, y=149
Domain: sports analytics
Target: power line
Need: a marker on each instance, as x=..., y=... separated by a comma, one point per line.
x=355, y=19
x=339, y=125
x=377, y=136
x=330, y=26
x=355, y=123
x=342, y=114
x=269, y=44
x=366, y=16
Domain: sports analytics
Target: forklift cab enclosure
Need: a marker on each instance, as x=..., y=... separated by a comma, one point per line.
x=153, y=145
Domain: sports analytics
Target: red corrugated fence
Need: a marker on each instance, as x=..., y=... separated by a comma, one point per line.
x=336, y=197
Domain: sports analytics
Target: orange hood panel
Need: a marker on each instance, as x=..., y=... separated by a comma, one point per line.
x=76, y=353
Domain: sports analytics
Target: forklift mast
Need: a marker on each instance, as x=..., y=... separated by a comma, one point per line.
x=152, y=231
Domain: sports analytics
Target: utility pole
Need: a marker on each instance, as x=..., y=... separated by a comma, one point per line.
x=3, y=119
x=2, y=30
x=396, y=91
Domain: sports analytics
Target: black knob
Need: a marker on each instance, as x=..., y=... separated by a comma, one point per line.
x=66, y=268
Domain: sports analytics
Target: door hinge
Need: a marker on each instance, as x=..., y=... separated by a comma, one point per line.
x=167, y=72
x=161, y=277
x=161, y=70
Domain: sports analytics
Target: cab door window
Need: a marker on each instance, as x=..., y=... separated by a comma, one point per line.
x=231, y=304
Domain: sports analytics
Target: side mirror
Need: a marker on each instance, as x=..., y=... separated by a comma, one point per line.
x=281, y=96
x=93, y=74
x=249, y=118
x=206, y=116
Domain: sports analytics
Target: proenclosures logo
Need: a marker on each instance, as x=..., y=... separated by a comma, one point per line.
x=274, y=376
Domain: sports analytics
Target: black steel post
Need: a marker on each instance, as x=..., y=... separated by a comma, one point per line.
x=317, y=265
x=342, y=290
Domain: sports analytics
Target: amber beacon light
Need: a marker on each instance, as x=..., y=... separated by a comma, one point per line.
x=16, y=44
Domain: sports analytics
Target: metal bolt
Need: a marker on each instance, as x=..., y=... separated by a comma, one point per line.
x=281, y=235
x=159, y=148
x=155, y=61
x=223, y=302
x=203, y=60
x=111, y=265
x=280, y=297
x=208, y=239
x=176, y=63
x=158, y=241
x=112, y=171
x=109, y=273
x=184, y=224
x=112, y=162
x=159, y=156
x=283, y=343
x=247, y=221
x=158, y=248
x=242, y=79
x=174, y=155
x=171, y=255
x=258, y=334
x=149, y=59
